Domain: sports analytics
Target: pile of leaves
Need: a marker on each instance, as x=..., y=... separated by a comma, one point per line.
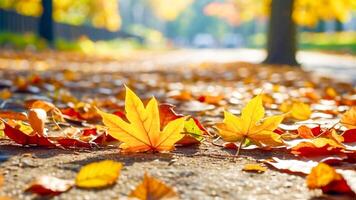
x=235, y=106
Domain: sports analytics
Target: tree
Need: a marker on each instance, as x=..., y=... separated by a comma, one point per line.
x=281, y=43
x=45, y=26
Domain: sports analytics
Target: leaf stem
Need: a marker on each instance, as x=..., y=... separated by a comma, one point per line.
x=240, y=146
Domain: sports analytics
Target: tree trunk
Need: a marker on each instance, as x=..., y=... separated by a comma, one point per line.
x=281, y=44
x=45, y=29
x=339, y=26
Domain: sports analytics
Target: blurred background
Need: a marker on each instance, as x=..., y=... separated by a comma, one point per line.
x=120, y=25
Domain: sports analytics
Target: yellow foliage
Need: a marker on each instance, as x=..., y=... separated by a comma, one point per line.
x=249, y=125
x=169, y=10
x=98, y=174
x=349, y=118
x=143, y=133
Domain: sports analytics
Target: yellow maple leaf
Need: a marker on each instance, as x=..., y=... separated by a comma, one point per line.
x=98, y=174
x=142, y=132
x=249, y=125
x=349, y=118
x=297, y=110
x=152, y=188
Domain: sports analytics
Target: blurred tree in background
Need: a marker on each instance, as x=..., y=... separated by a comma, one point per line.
x=284, y=14
x=99, y=13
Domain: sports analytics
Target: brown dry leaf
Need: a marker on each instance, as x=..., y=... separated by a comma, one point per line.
x=49, y=186
x=349, y=118
x=37, y=118
x=98, y=174
x=153, y=189
x=258, y=168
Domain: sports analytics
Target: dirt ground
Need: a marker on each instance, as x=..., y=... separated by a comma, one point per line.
x=199, y=172
x=196, y=173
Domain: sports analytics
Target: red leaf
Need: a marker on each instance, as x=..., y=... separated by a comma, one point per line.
x=317, y=147
x=49, y=186
x=21, y=138
x=71, y=113
x=70, y=142
x=279, y=131
x=349, y=136
x=167, y=114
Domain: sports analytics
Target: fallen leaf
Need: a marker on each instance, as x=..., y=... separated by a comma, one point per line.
x=47, y=106
x=98, y=174
x=294, y=166
x=6, y=114
x=349, y=136
x=167, y=114
x=305, y=132
x=326, y=178
x=70, y=142
x=348, y=119
x=193, y=134
x=254, y=168
x=143, y=132
x=182, y=95
x=317, y=147
x=300, y=111
x=21, y=138
x=37, y=118
x=248, y=126
x=211, y=99
x=153, y=189
x=49, y=186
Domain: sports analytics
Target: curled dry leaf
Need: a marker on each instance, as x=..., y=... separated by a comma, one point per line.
x=258, y=168
x=349, y=118
x=248, y=126
x=98, y=174
x=47, y=106
x=152, y=188
x=327, y=179
x=49, y=186
x=37, y=118
x=143, y=132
